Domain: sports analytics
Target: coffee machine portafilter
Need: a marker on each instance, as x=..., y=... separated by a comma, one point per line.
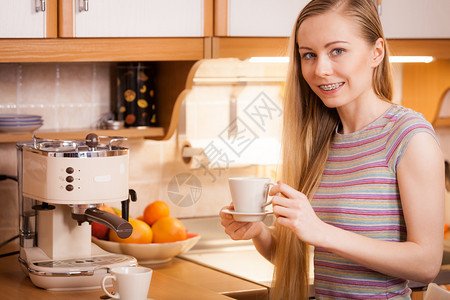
x=61, y=186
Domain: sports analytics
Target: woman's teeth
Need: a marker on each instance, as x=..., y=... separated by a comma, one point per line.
x=330, y=87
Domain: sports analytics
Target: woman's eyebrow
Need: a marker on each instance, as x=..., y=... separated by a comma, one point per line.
x=326, y=45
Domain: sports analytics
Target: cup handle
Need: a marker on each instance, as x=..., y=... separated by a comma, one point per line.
x=116, y=296
x=266, y=193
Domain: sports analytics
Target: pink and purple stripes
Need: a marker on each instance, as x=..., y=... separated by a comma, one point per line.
x=358, y=192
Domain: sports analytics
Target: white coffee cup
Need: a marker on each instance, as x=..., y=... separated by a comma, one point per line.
x=249, y=194
x=129, y=283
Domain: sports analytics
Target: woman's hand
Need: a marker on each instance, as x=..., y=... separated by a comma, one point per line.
x=257, y=231
x=239, y=230
x=294, y=211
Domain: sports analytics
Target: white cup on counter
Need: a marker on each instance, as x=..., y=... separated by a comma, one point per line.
x=250, y=194
x=129, y=283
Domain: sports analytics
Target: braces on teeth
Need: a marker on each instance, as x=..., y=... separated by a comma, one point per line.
x=330, y=86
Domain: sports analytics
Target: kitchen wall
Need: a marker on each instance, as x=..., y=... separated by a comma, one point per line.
x=76, y=95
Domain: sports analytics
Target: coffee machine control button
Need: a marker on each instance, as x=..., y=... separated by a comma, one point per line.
x=69, y=170
x=69, y=179
x=69, y=187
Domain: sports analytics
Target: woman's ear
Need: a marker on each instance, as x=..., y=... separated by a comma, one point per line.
x=377, y=52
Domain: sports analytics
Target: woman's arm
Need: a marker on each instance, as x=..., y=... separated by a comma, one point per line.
x=421, y=183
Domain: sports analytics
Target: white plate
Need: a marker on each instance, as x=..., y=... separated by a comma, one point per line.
x=19, y=129
x=20, y=120
x=9, y=117
x=20, y=123
x=154, y=253
x=247, y=217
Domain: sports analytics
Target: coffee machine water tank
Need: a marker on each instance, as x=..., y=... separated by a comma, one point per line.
x=64, y=175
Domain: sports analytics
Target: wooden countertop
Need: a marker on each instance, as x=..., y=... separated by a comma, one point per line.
x=179, y=279
x=213, y=280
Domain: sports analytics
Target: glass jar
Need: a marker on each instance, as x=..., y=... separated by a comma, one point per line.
x=136, y=104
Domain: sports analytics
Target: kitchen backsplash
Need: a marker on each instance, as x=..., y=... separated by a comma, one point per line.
x=66, y=95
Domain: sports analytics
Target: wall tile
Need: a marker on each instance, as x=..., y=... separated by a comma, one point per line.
x=38, y=84
x=75, y=83
x=8, y=84
x=145, y=161
x=101, y=93
x=75, y=116
x=9, y=214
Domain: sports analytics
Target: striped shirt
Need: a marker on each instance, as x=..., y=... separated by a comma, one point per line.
x=359, y=192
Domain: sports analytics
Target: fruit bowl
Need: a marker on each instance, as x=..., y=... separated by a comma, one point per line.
x=154, y=253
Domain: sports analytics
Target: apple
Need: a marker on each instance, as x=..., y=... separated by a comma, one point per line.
x=100, y=231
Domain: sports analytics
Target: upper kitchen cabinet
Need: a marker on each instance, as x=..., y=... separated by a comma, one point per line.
x=253, y=27
x=115, y=30
x=416, y=19
x=256, y=18
x=134, y=18
x=28, y=19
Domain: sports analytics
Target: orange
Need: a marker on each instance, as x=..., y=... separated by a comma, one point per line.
x=107, y=208
x=155, y=211
x=167, y=230
x=117, y=211
x=142, y=233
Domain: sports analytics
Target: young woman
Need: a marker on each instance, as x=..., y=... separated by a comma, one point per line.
x=363, y=179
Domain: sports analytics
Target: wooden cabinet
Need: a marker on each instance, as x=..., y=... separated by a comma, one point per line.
x=256, y=18
x=28, y=19
x=134, y=18
x=249, y=28
x=424, y=88
x=402, y=19
x=105, y=18
x=416, y=19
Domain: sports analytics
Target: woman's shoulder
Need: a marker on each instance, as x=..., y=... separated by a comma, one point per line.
x=405, y=124
x=402, y=118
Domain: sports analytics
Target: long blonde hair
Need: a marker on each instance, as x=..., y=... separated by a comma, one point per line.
x=308, y=128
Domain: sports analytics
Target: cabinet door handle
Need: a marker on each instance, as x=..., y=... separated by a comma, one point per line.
x=39, y=5
x=84, y=5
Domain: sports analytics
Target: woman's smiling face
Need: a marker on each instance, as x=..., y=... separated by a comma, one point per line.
x=337, y=63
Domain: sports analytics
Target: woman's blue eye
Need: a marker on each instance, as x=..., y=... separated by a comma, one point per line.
x=308, y=55
x=337, y=51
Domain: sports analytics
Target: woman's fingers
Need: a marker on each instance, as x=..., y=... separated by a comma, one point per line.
x=225, y=216
x=285, y=190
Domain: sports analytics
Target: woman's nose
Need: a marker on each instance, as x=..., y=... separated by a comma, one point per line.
x=323, y=66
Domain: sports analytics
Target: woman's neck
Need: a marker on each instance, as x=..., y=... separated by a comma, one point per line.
x=356, y=116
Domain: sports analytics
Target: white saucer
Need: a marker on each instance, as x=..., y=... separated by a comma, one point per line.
x=247, y=217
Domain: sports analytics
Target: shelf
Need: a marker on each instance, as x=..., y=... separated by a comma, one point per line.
x=438, y=48
x=245, y=47
x=102, y=49
x=130, y=133
x=172, y=49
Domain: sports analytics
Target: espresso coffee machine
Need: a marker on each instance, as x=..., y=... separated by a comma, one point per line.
x=61, y=186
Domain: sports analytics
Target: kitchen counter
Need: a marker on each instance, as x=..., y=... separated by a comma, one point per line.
x=176, y=280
